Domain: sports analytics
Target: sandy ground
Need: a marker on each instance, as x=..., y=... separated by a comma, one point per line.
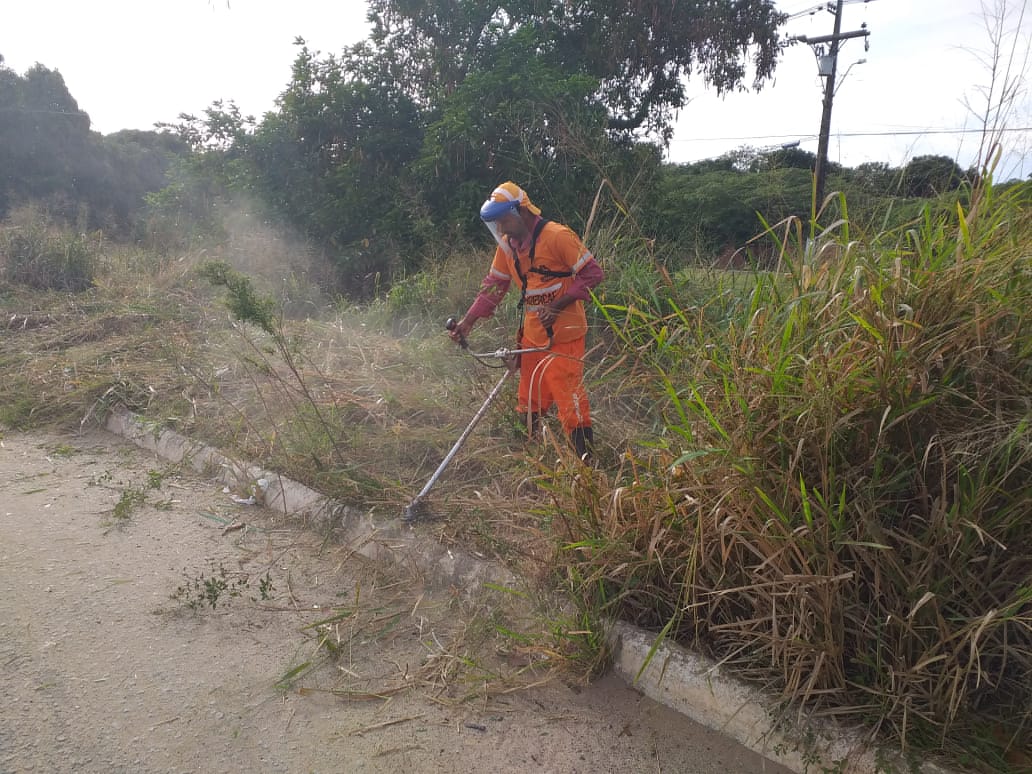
x=113, y=661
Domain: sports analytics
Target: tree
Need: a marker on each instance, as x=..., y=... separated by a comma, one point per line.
x=638, y=53
x=43, y=136
x=785, y=158
x=874, y=177
x=556, y=95
x=48, y=155
x=335, y=159
x=927, y=176
x=120, y=170
x=721, y=208
x=522, y=119
x=401, y=136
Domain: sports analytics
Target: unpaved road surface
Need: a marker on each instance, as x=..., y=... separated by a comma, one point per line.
x=113, y=659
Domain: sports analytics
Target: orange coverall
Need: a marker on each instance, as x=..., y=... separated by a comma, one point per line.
x=556, y=376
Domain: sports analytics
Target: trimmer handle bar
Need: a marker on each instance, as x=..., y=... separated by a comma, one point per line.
x=504, y=353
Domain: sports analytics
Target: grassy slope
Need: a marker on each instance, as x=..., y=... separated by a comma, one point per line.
x=363, y=403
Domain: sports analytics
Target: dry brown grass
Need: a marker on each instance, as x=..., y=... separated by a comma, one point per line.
x=342, y=402
x=354, y=410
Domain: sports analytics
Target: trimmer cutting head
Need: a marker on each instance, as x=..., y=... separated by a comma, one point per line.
x=417, y=510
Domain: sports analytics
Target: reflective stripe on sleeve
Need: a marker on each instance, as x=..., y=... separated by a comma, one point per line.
x=581, y=261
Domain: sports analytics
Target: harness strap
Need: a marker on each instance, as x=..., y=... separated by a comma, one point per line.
x=523, y=277
x=533, y=246
x=549, y=272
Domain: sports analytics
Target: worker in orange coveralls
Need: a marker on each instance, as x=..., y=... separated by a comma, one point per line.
x=555, y=273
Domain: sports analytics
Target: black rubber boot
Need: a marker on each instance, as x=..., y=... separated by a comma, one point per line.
x=583, y=442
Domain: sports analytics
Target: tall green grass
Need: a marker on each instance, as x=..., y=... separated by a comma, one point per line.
x=840, y=502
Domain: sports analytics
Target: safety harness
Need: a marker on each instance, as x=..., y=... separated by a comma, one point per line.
x=537, y=270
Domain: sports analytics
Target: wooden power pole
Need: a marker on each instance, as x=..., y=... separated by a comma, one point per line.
x=828, y=67
x=821, y=172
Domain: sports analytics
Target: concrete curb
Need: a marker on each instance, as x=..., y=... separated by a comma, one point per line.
x=665, y=672
x=703, y=690
x=391, y=541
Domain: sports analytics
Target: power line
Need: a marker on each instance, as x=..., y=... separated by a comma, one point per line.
x=913, y=132
x=814, y=9
x=889, y=133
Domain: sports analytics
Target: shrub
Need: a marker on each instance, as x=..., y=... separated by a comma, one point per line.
x=47, y=259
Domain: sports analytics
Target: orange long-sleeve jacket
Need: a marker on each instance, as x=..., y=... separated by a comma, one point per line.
x=558, y=251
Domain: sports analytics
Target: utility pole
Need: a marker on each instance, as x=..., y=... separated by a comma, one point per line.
x=828, y=67
x=821, y=172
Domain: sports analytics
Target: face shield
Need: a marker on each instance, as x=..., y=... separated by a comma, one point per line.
x=490, y=212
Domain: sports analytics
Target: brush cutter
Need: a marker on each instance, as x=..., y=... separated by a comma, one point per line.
x=417, y=510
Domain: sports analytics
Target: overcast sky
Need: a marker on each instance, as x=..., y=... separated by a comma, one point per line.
x=923, y=83
x=132, y=63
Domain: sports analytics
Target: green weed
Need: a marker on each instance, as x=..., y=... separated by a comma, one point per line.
x=130, y=499
x=219, y=586
x=39, y=256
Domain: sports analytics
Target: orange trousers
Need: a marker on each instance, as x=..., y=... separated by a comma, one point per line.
x=556, y=377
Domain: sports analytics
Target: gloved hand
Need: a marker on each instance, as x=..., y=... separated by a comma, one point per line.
x=458, y=331
x=547, y=315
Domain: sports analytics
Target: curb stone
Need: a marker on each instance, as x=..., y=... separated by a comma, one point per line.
x=704, y=691
x=684, y=681
x=389, y=541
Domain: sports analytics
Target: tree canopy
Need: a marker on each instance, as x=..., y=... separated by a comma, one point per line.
x=637, y=54
x=404, y=133
x=393, y=143
x=42, y=134
x=49, y=155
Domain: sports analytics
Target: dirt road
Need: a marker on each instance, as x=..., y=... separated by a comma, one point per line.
x=114, y=660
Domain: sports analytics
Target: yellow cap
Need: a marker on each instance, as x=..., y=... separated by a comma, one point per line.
x=507, y=193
